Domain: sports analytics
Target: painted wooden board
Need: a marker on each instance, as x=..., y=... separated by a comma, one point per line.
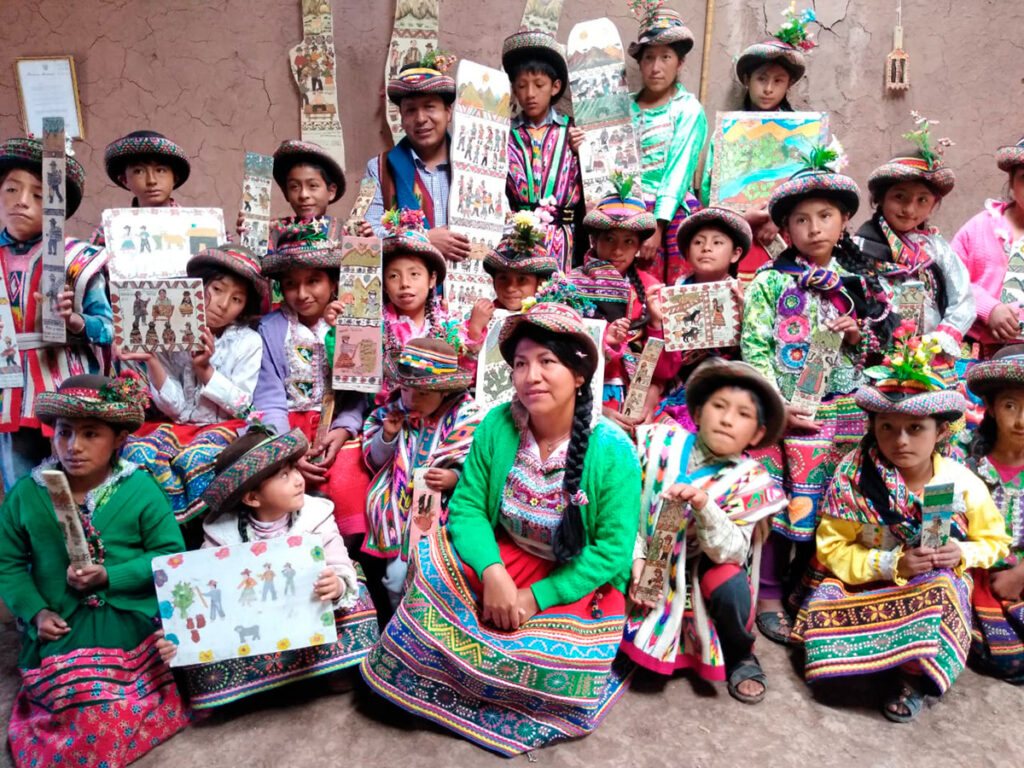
x=165, y=315
x=54, y=208
x=479, y=155
x=1013, y=283
x=257, y=182
x=358, y=338
x=937, y=509
x=312, y=64
x=600, y=98
x=542, y=15
x=359, y=208
x=425, y=510
x=701, y=316
x=822, y=357
x=149, y=243
x=654, y=576
x=413, y=37
x=246, y=600
x=641, y=381
x=68, y=519
x=10, y=358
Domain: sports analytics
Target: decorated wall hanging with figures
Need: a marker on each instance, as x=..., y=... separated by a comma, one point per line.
x=312, y=64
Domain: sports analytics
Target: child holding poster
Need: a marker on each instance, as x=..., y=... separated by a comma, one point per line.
x=83, y=302
x=259, y=494
x=427, y=422
x=88, y=650
x=205, y=395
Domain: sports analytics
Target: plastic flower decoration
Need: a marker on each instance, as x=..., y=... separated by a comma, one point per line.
x=527, y=232
x=449, y=333
x=794, y=30
x=644, y=9
x=440, y=60
x=922, y=136
x=129, y=387
x=910, y=361
x=398, y=220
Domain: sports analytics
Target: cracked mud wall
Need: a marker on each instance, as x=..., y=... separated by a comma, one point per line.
x=213, y=75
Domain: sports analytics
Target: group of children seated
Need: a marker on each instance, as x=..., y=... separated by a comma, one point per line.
x=805, y=520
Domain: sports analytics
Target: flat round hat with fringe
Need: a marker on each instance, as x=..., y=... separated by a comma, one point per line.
x=905, y=383
x=553, y=317
x=293, y=152
x=716, y=372
x=787, y=47
x=139, y=146
x=119, y=402
x=246, y=462
x=719, y=218
x=407, y=237
x=238, y=260
x=1009, y=157
x=534, y=44
x=27, y=155
x=1005, y=370
x=315, y=244
x=659, y=26
x=432, y=364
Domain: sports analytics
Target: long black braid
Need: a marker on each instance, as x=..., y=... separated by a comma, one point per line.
x=856, y=262
x=985, y=436
x=569, y=537
x=633, y=275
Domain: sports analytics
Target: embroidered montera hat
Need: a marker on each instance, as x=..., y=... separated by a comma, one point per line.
x=787, y=47
x=120, y=402
x=145, y=145
x=294, y=152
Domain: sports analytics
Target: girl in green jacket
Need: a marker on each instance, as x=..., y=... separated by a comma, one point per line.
x=89, y=666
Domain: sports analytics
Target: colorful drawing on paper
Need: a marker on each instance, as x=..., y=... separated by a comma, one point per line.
x=754, y=152
x=480, y=125
x=10, y=358
x=466, y=282
x=358, y=338
x=147, y=243
x=701, y=316
x=822, y=357
x=312, y=64
x=246, y=600
x=158, y=315
x=938, y=505
x=426, y=508
x=600, y=99
x=414, y=36
x=256, y=185
x=54, y=208
x=640, y=383
x=541, y=15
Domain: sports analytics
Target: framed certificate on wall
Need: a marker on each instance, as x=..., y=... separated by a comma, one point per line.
x=48, y=87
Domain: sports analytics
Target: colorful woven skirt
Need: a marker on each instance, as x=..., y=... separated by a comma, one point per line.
x=95, y=707
x=998, y=634
x=806, y=461
x=511, y=692
x=181, y=458
x=212, y=685
x=861, y=630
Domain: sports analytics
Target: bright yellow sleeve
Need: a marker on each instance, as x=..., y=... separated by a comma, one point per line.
x=987, y=541
x=850, y=561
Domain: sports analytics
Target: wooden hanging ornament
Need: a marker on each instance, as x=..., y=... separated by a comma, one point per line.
x=897, y=63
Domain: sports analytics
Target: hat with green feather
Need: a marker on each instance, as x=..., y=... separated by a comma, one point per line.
x=926, y=166
x=820, y=177
x=621, y=210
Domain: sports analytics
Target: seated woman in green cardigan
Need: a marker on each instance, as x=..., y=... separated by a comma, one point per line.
x=508, y=630
x=91, y=678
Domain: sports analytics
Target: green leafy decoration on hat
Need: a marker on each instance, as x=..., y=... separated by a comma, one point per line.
x=794, y=30
x=450, y=332
x=527, y=232
x=312, y=231
x=623, y=184
x=823, y=158
x=560, y=290
x=922, y=136
x=911, y=359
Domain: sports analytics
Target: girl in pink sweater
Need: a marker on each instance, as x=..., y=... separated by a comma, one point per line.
x=991, y=245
